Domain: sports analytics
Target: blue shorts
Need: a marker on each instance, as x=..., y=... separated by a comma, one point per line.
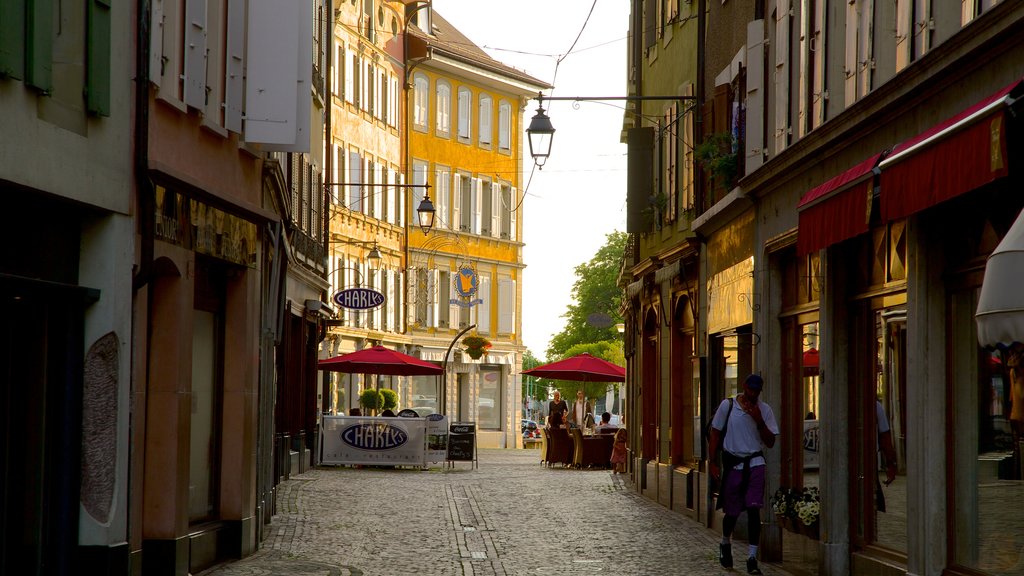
x=752, y=497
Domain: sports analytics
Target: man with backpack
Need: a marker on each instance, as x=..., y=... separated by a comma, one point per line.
x=742, y=434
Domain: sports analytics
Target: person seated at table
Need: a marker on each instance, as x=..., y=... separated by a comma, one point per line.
x=555, y=421
x=388, y=414
x=605, y=426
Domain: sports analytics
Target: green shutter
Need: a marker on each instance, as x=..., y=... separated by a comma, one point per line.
x=97, y=74
x=39, y=57
x=12, y=38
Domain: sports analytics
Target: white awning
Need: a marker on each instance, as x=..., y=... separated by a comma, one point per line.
x=1000, y=314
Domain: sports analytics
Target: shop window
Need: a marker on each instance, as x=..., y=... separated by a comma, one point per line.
x=423, y=395
x=489, y=408
x=986, y=427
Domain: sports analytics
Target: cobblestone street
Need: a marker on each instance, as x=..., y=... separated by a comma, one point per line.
x=509, y=516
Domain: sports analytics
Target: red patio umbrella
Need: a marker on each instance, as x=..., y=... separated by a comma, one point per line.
x=380, y=360
x=582, y=368
x=810, y=363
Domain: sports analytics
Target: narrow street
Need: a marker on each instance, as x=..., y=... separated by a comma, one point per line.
x=509, y=516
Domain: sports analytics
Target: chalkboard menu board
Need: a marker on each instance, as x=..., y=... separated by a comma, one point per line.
x=462, y=441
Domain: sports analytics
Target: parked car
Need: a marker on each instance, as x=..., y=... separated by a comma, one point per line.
x=529, y=429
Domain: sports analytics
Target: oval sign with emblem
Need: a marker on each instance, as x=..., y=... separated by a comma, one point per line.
x=358, y=298
x=374, y=436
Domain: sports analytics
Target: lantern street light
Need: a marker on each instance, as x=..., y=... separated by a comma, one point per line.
x=425, y=213
x=541, y=132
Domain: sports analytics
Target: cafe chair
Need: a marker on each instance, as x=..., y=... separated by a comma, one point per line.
x=577, y=444
x=545, y=443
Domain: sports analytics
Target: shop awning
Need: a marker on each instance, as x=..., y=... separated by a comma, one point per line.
x=953, y=157
x=837, y=210
x=1000, y=314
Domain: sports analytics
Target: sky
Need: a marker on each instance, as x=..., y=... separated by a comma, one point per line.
x=579, y=196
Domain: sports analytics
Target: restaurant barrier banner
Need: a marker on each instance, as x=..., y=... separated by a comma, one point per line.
x=437, y=438
x=374, y=440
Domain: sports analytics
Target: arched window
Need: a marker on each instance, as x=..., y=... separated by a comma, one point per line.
x=443, y=113
x=421, y=101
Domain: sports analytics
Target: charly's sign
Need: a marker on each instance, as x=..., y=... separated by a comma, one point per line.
x=374, y=436
x=358, y=298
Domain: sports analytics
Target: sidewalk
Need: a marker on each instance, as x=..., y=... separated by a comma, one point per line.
x=510, y=516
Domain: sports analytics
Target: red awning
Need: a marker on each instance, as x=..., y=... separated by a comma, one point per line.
x=837, y=210
x=953, y=157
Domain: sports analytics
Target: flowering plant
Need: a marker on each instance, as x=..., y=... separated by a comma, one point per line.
x=476, y=345
x=808, y=507
x=803, y=505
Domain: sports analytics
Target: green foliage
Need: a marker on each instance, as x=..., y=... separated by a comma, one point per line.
x=716, y=155
x=390, y=399
x=594, y=292
x=538, y=389
x=371, y=400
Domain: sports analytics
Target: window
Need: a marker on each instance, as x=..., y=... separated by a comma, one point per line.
x=506, y=306
x=419, y=179
x=370, y=95
x=356, y=82
x=486, y=113
x=504, y=126
x=443, y=112
x=465, y=101
x=483, y=309
x=489, y=406
x=464, y=202
x=442, y=188
x=355, y=191
x=670, y=149
x=339, y=74
x=421, y=102
x=351, y=80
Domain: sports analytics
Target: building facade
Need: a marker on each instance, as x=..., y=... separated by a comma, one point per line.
x=464, y=129
x=874, y=149
x=660, y=266
x=366, y=198
x=66, y=265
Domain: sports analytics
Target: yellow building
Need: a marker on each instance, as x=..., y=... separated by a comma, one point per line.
x=366, y=210
x=464, y=121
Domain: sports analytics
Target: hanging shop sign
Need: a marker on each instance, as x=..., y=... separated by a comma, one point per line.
x=358, y=298
x=466, y=284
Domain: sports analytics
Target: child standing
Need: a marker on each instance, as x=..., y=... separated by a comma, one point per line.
x=618, y=458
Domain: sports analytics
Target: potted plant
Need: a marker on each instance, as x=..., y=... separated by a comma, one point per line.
x=716, y=155
x=371, y=400
x=475, y=346
x=798, y=510
x=390, y=399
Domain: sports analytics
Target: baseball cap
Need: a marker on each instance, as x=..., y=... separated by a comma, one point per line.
x=754, y=381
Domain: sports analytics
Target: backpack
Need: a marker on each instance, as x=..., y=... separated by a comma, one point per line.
x=707, y=428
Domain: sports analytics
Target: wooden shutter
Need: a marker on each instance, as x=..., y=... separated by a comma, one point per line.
x=97, y=75
x=39, y=57
x=12, y=39
x=506, y=305
x=477, y=205
x=753, y=157
x=495, y=210
x=234, y=97
x=195, y=53
x=782, y=100
x=483, y=309
x=457, y=203
x=355, y=191
x=512, y=212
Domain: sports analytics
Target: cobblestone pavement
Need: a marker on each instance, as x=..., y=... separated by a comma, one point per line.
x=509, y=516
